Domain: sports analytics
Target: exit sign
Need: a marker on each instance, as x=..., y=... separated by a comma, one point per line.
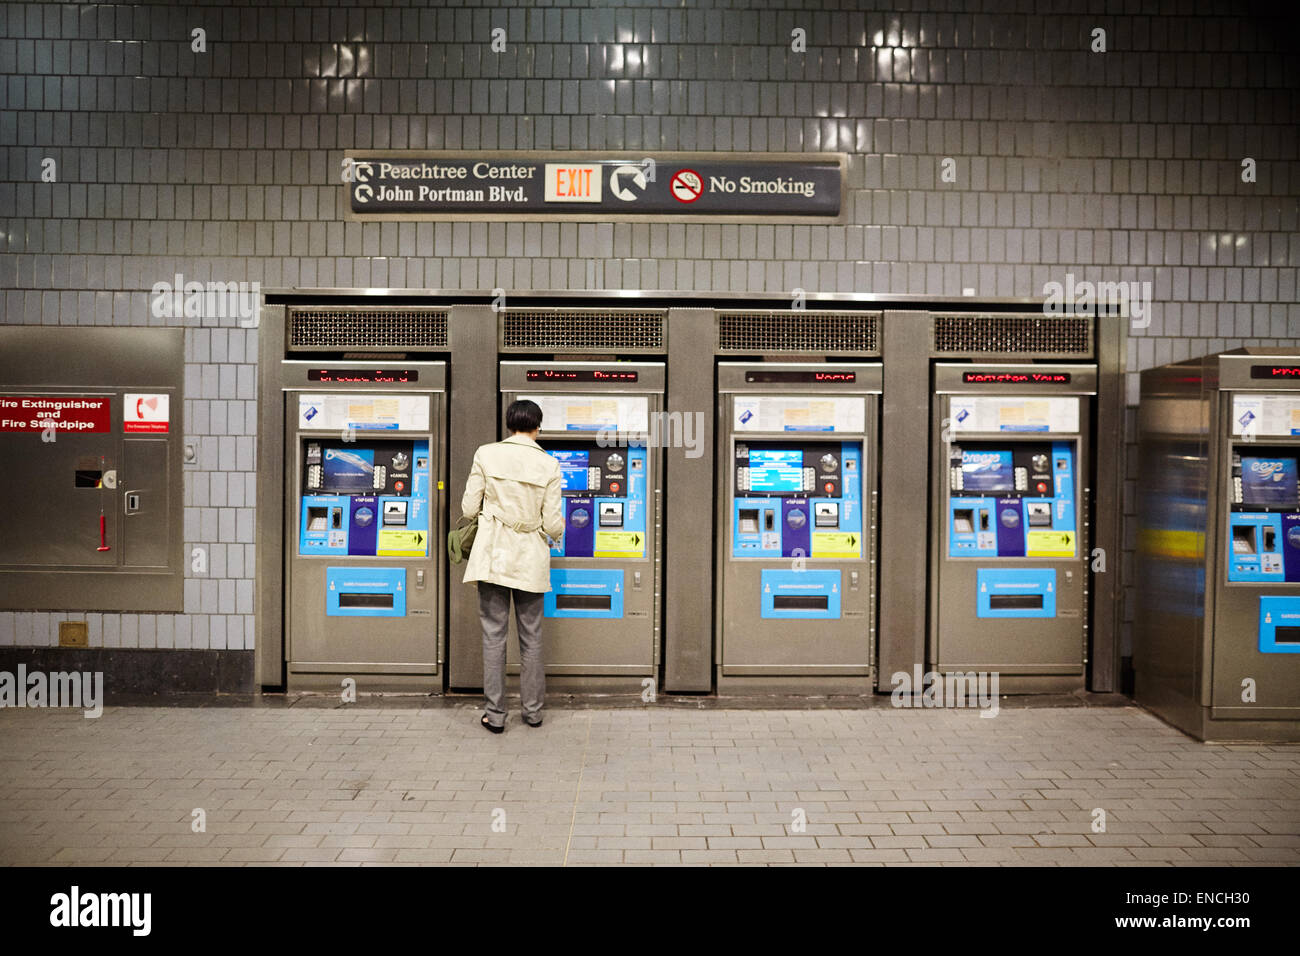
x=567, y=183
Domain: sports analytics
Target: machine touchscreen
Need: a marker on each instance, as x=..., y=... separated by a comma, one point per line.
x=776, y=470
x=348, y=472
x=987, y=471
x=1269, y=482
x=573, y=470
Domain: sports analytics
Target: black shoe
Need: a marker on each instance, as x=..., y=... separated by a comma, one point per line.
x=495, y=730
x=533, y=723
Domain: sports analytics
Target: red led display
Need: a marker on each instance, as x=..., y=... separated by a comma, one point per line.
x=1275, y=371
x=580, y=375
x=364, y=376
x=1016, y=378
x=805, y=377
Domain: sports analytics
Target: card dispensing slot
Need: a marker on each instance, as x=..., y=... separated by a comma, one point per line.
x=748, y=521
x=963, y=520
x=582, y=602
x=1243, y=539
x=1286, y=635
x=317, y=518
x=347, y=599
x=800, y=602
x=1009, y=602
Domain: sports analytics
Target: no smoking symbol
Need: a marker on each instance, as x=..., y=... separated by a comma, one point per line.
x=687, y=186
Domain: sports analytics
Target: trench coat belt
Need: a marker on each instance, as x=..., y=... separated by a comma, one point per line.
x=522, y=527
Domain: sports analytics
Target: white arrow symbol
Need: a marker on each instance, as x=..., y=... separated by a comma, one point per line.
x=616, y=185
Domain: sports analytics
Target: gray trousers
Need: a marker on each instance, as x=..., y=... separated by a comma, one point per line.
x=494, y=613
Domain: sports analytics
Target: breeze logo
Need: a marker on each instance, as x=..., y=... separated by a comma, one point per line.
x=207, y=300
x=1274, y=470
x=954, y=689
x=76, y=909
x=59, y=689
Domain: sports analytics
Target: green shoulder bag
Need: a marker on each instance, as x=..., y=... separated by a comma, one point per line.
x=460, y=539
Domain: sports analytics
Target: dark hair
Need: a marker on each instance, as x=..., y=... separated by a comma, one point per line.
x=523, y=416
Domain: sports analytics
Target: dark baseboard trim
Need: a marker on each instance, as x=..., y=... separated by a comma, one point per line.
x=137, y=671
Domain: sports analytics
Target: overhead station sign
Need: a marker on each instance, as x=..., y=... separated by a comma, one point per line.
x=594, y=186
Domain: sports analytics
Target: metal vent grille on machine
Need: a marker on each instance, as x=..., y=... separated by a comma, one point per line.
x=384, y=329
x=1033, y=335
x=583, y=330
x=839, y=333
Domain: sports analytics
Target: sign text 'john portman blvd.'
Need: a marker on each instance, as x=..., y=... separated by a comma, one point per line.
x=593, y=185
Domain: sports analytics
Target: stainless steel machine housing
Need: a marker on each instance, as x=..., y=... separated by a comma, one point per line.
x=1216, y=642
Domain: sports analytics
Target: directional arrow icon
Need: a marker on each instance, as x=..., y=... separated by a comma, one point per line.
x=616, y=182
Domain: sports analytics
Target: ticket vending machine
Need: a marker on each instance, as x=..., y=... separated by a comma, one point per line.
x=603, y=422
x=797, y=446
x=1216, y=642
x=364, y=470
x=1009, y=554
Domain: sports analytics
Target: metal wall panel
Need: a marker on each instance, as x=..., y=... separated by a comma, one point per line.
x=114, y=542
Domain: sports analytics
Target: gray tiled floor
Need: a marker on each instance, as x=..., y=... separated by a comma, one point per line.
x=366, y=784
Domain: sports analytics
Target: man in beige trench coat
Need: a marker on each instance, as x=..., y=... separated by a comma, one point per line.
x=515, y=488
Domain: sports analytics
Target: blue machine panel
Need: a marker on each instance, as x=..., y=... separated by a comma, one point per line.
x=807, y=594
x=1015, y=592
x=365, y=592
x=604, y=508
x=584, y=592
x=796, y=534
x=324, y=525
x=1255, y=546
x=995, y=512
x=365, y=499
x=798, y=500
x=1279, y=625
x=364, y=527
